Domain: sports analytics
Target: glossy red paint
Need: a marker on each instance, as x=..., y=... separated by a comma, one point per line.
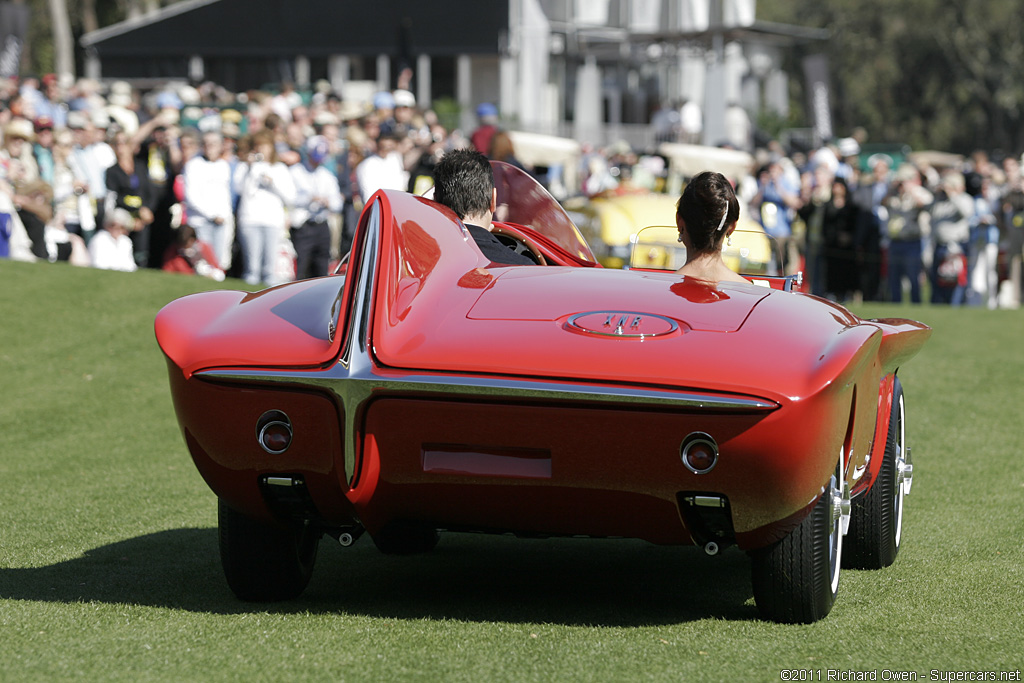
x=598, y=454
x=539, y=400
x=219, y=422
x=279, y=327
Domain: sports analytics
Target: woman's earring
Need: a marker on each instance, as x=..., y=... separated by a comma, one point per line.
x=728, y=241
x=680, y=238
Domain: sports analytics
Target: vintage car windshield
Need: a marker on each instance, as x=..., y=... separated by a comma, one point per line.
x=749, y=252
x=523, y=200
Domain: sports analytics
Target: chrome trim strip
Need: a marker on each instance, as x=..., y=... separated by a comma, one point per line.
x=455, y=386
x=355, y=358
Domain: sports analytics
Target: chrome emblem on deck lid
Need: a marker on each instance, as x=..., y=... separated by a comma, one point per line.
x=622, y=324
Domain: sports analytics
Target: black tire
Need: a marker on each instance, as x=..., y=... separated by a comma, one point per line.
x=264, y=563
x=876, y=522
x=405, y=538
x=796, y=579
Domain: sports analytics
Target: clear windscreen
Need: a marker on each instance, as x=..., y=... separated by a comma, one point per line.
x=748, y=252
x=523, y=200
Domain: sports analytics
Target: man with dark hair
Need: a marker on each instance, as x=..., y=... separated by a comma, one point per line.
x=464, y=182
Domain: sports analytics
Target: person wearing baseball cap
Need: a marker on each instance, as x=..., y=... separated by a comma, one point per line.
x=481, y=138
x=317, y=199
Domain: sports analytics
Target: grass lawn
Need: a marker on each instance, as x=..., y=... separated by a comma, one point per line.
x=108, y=547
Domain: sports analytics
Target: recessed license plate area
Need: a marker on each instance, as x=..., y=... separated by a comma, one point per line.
x=555, y=468
x=526, y=463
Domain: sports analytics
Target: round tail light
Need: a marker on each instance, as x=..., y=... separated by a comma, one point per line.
x=699, y=453
x=274, y=432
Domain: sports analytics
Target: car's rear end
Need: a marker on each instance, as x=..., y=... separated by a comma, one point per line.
x=431, y=390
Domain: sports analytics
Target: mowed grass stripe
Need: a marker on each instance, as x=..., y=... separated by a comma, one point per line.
x=109, y=567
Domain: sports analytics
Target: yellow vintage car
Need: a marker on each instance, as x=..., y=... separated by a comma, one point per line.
x=610, y=221
x=749, y=252
x=611, y=224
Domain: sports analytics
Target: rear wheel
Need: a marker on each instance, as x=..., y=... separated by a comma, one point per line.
x=796, y=579
x=876, y=527
x=264, y=563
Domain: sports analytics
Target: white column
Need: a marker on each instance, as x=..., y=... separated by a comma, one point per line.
x=339, y=70
x=508, y=97
x=463, y=92
x=302, y=71
x=196, y=69
x=776, y=92
x=93, y=69
x=424, y=87
x=715, y=94
x=533, y=62
x=587, y=105
x=736, y=68
x=383, y=72
x=739, y=12
x=591, y=12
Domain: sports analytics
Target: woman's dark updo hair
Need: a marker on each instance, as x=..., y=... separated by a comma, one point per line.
x=708, y=206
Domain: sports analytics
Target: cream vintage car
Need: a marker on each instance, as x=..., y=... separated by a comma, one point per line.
x=610, y=221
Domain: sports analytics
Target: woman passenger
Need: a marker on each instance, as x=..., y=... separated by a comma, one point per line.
x=706, y=216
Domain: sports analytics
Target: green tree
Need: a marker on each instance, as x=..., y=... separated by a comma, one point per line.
x=930, y=73
x=46, y=44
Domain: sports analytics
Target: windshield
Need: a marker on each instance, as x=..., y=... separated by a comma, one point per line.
x=748, y=252
x=523, y=200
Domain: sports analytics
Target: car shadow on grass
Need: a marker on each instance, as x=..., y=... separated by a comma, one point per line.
x=467, y=577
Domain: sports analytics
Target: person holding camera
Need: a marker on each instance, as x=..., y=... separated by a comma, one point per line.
x=318, y=196
x=777, y=200
x=265, y=189
x=906, y=224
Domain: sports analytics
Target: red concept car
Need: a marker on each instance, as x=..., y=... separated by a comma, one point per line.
x=428, y=389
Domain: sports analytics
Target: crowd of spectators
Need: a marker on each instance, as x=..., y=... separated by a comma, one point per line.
x=263, y=186
x=268, y=186
x=871, y=227
x=874, y=228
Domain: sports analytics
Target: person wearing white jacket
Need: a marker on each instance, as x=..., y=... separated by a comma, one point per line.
x=208, y=198
x=111, y=248
x=317, y=196
x=265, y=189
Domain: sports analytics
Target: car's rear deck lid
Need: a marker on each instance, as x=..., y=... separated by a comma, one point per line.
x=553, y=293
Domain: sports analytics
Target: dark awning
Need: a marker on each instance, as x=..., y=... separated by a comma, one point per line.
x=312, y=28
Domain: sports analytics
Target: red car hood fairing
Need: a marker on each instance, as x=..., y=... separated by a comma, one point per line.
x=285, y=326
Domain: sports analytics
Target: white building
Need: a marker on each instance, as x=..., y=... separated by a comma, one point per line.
x=590, y=69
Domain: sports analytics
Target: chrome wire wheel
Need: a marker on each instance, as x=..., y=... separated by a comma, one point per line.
x=839, y=522
x=904, y=472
